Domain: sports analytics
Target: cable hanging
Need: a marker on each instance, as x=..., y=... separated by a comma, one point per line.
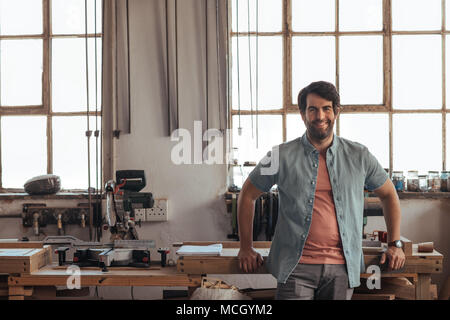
x=250, y=64
x=237, y=65
x=257, y=72
x=218, y=64
x=206, y=65
x=88, y=131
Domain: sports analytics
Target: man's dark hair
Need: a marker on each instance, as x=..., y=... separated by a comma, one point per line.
x=324, y=90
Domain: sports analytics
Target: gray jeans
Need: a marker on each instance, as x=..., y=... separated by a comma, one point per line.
x=316, y=282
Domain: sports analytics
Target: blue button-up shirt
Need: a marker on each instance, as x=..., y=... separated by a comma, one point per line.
x=293, y=166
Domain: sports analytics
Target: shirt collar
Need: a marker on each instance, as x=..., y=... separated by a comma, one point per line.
x=309, y=148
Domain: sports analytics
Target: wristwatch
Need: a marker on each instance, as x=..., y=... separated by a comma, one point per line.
x=396, y=243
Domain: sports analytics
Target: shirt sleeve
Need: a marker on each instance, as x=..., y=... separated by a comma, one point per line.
x=376, y=176
x=265, y=174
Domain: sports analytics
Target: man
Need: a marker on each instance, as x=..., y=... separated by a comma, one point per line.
x=316, y=251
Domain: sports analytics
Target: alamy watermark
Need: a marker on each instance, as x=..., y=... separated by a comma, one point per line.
x=374, y=281
x=74, y=280
x=215, y=152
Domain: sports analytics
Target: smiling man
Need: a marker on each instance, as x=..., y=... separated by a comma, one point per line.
x=316, y=251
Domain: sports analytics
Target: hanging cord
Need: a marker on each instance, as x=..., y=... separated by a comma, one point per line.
x=0, y=66
x=99, y=234
x=169, y=113
x=250, y=63
x=129, y=66
x=206, y=66
x=237, y=64
x=257, y=72
x=88, y=132
x=218, y=64
x=96, y=118
x=176, y=60
x=116, y=130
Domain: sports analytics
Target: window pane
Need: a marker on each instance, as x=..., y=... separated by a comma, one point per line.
x=295, y=127
x=415, y=148
x=270, y=68
x=416, y=70
x=70, y=151
x=371, y=130
x=447, y=14
x=416, y=15
x=361, y=69
x=68, y=16
x=269, y=18
x=21, y=72
x=24, y=149
x=270, y=133
x=357, y=15
x=317, y=15
x=448, y=141
x=313, y=59
x=69, y=74
x=447, y=72
x=20, y=17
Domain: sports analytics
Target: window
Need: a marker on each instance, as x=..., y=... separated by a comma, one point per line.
x=44, y=107
x=388, y=59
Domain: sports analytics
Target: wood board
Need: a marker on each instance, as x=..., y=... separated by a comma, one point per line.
x=24, y=260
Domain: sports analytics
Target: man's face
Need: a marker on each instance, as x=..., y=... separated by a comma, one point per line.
x=318, y=117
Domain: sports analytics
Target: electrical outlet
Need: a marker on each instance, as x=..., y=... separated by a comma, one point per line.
x=139, y=215
x=159, y=211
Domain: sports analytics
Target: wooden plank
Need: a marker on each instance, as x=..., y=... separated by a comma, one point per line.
x=164, y=277
x=228, y=263
x=212, y=265
x=423, y=286
x=401, y=287
x=125, y=281
x=21, y=244
x=407, y=246
x=225, y=244
x=20, y=291
x=24, y=260
x=25, y=244
x=413, y=264
x=373, y=296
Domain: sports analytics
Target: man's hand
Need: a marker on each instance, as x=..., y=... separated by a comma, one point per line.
x=249, y=260
x=395, y=256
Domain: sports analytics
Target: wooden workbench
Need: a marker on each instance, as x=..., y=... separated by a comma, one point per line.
x=418, y=266
x=190, y=269
x=21, y=285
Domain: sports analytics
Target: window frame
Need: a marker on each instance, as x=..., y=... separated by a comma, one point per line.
x=386, y=107
x=45, y=109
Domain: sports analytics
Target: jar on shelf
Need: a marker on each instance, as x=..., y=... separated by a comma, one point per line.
x=413, y=181
x=423, y=183
x=434, y=181
x=444, y=180
x=398, y=180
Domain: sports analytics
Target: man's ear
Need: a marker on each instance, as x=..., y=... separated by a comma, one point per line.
x=338, y=111
x=302, y=114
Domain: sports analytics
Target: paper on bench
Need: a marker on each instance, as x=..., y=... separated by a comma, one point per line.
x=211, y=250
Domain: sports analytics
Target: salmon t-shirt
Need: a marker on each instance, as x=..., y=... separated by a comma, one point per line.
x=323, y=245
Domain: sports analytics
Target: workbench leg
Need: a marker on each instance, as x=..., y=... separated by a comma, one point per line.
x=423, y=286
x=16, y=293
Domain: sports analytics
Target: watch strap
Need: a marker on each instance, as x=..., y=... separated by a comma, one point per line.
x=393, y=243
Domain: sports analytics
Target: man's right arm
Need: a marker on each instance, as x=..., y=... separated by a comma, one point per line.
x=249, y=259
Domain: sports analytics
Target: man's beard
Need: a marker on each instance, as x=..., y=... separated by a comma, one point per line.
x=319, y=133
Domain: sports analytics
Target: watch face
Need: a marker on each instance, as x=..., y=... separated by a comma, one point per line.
x=398, y=244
